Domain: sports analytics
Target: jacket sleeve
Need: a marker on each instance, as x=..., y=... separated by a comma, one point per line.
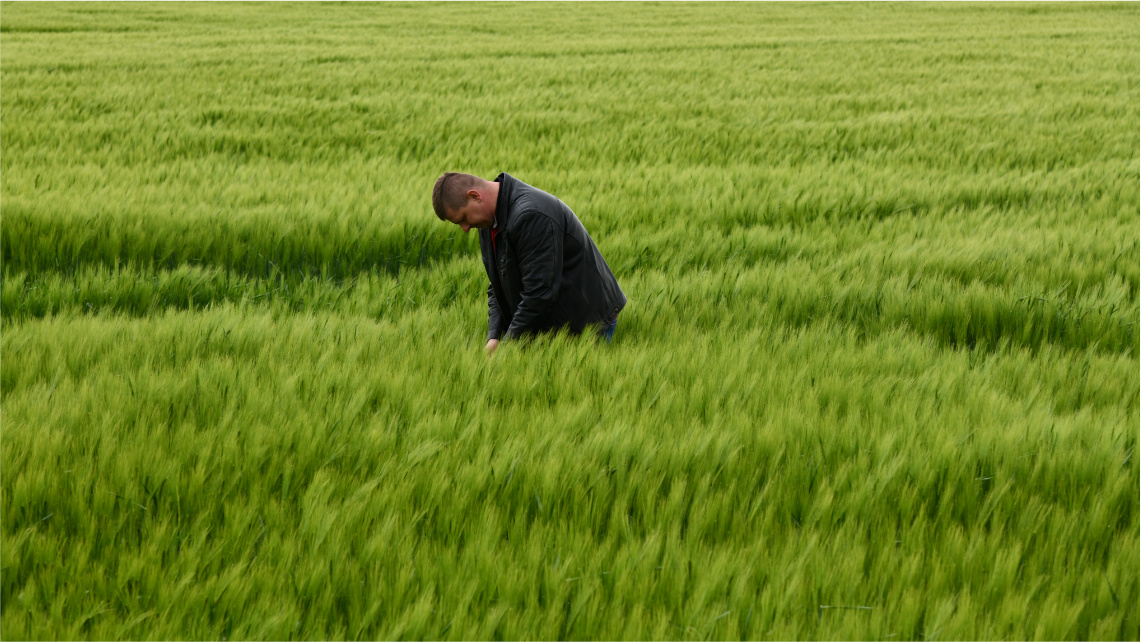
x=539, y=246
x=494, y=316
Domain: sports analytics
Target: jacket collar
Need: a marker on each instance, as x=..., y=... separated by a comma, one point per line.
x=503, y=201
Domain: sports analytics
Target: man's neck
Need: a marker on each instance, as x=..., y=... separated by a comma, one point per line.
x=493, y=195
x=493, y=201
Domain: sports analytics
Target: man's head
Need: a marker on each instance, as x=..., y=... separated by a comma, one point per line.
x=466, y=200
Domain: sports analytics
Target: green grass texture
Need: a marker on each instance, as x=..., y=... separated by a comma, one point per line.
x=878, y=377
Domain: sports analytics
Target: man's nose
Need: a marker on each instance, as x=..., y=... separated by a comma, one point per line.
x=465, y=228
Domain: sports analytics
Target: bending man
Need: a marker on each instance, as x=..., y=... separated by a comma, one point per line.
x=545, y=271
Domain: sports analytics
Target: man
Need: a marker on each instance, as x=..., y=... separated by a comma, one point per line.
x=545, y=271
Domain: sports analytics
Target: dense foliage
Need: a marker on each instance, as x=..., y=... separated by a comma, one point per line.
x=878, y=377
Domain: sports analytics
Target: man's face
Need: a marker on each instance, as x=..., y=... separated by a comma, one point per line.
x=476, y=213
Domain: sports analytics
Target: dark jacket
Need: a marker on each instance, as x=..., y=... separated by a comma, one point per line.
x=545, y=271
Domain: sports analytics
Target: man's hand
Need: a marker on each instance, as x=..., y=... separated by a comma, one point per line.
x=492, y=344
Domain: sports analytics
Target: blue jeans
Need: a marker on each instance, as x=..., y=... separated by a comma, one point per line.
x=607, y=331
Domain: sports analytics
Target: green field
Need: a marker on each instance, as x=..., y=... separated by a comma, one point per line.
x=878, y=377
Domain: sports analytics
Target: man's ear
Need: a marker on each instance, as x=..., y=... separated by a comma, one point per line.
x=473, y=195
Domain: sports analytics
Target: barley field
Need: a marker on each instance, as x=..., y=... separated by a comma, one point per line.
x=878, y=377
